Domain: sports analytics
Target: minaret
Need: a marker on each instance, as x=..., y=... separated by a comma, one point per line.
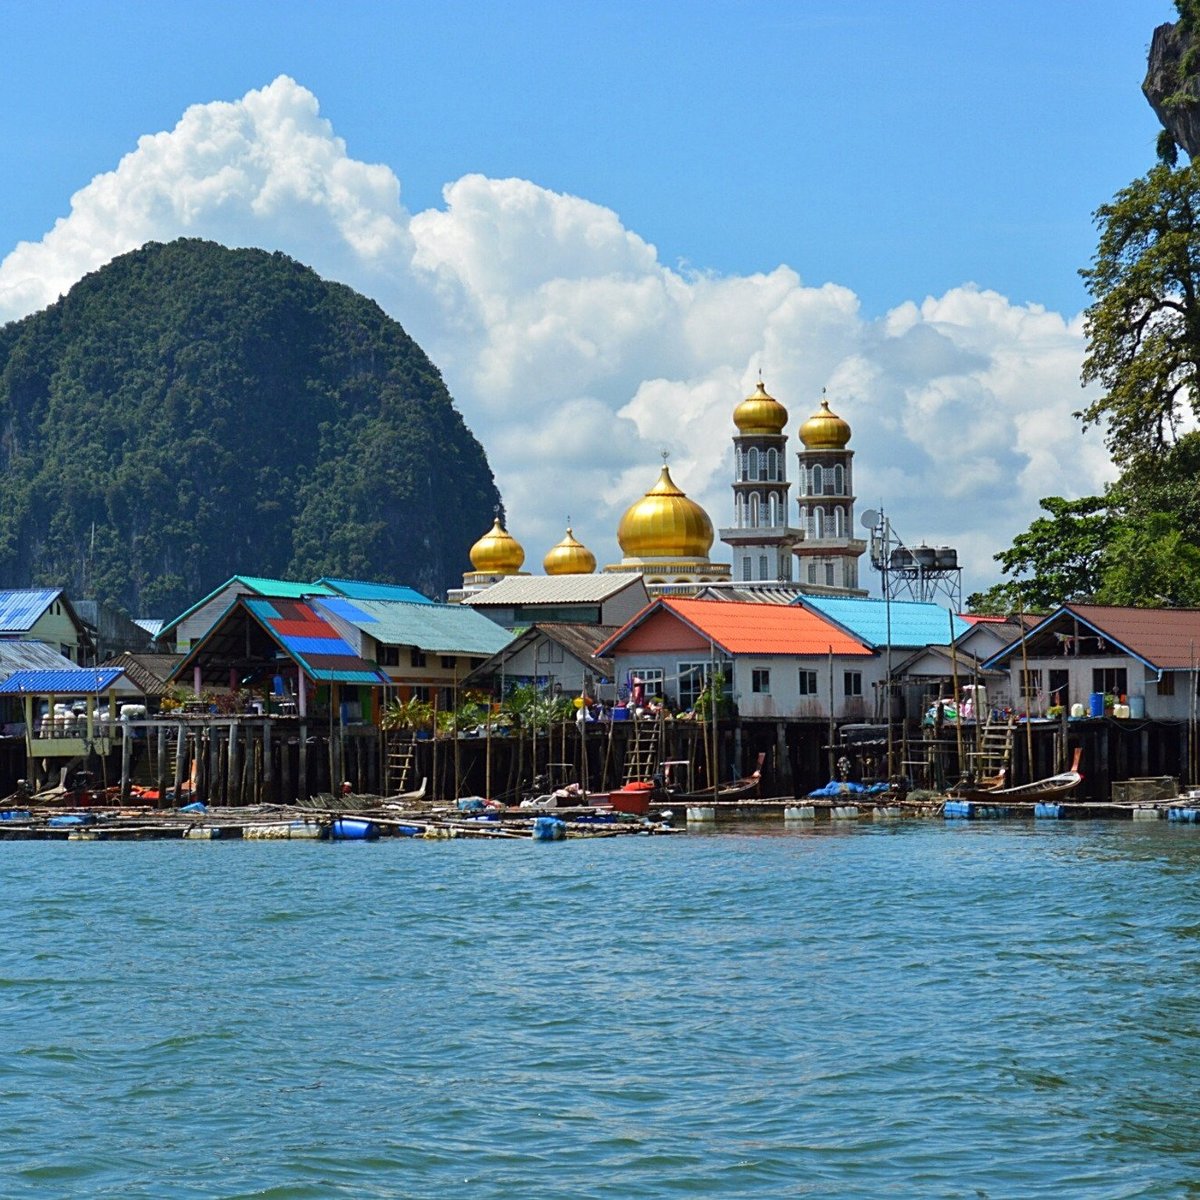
x=760, y=537
x=828, y=556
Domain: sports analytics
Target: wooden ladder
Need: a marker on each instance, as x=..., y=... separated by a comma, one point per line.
x=641, y=752
x=401, y=754
x=995, y=749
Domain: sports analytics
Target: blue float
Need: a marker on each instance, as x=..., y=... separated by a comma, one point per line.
x=548, y=829
x=353, y=829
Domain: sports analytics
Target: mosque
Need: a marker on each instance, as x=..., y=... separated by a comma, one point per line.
x=667, y=537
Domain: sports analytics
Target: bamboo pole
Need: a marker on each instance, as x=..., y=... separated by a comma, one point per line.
x=957, y=698
x=1025, y=693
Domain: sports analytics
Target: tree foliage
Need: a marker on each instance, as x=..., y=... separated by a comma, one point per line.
x=1143, y=326
x=190, y=412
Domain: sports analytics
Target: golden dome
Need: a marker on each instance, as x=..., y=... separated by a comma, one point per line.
x=825, y=430
x=569, y=557
x=497, y=552
x=664, y=523
x=760, y=413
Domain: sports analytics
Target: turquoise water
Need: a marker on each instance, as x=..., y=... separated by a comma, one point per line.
x=987, y=1010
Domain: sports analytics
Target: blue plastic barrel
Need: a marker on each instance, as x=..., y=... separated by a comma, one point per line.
x=1051, y=812
x=353, y=829
x=1096, y=704
x=620, y=713
x=1137, y=707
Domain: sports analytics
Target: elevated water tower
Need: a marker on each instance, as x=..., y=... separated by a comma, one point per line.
x=913, y=572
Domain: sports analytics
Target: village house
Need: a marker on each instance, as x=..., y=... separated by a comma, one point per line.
x=522, y=600
x=555, y=658
x=1089, y=659
x=191, y=625
x=45, y=615
x=776, y=662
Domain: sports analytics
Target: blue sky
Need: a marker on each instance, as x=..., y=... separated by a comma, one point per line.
x=893, y=151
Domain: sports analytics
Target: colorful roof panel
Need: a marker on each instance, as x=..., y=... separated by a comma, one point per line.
x=880, y=622
x=78, y=681
x=750, y=628
x=434, y=628
x=19, y=610
x=358, y=589
x=323, y=654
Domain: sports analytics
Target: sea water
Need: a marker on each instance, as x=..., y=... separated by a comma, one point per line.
x=1001, y=1010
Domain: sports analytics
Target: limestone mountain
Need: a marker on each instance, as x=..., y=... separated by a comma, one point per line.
x=190, y=412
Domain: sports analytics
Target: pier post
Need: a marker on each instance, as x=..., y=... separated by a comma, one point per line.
x=231, y=770
x=126, y=759
x=180, y=751
x=160, y=755
x=268, y=766
x=302, y=782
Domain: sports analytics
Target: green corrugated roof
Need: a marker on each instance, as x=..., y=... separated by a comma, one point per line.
x=434, y=628
x=285, y=589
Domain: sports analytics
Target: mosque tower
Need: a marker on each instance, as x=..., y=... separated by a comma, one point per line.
x=666, y=537
x=761, y=539
x=828, y=556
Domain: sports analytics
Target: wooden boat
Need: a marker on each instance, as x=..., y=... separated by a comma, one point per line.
x=1040, y=791
x=670, y=791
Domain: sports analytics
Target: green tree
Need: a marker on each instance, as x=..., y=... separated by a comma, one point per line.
x=1151, y=564
x=1143, y=326
x=1060, y=557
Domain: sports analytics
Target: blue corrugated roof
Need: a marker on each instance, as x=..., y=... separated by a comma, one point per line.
x=913, y=622
x=434, y=628
x=19, y=611
x=359, y=589
x=79, y=681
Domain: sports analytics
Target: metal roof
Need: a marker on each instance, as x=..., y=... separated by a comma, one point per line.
x=18, y=655
x=20, y=610
x=579, y=641
x=151, y=672
x=554, y=589
x=312, y=641
x=900, y=622
x=78, y=681
x=434, y=628
x=1164, y=639
x=358, y=589
x=287, y=589
x=750, y=628
x=151, y=625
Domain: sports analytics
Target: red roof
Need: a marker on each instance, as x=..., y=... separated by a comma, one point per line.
x=744, y=627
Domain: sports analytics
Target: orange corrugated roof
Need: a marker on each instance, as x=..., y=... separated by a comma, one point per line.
x=747, y=628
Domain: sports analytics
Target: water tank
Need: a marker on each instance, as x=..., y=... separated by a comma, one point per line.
x=947, y=558
x=926, y=557
x=902, y=559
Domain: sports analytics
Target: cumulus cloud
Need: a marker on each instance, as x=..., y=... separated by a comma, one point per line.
x=576, y=355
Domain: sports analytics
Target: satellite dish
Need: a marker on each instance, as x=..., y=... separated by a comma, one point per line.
x=870, y=519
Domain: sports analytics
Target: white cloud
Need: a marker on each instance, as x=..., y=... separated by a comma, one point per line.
x=575, y=355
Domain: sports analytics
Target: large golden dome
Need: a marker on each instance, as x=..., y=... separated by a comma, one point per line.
x=760, y=413
x=825, y=430
x=664, y=523
x=497, y=552
x=569, y=557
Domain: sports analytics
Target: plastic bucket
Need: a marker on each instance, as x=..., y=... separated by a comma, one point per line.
x=1096, y=704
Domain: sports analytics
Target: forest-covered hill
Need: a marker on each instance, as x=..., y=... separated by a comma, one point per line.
x=190, y=412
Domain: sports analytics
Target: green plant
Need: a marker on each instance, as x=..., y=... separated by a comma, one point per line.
x=408, y=715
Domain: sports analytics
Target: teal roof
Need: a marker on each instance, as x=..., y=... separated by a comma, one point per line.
x=284, y=589
x=434, y=628
x=913, y=622
x=359, y=589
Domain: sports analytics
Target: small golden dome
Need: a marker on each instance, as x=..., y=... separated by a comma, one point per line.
x=760, y=413
x=664, y=523
x=825, y=430
x=569, y=557
x=497, y=552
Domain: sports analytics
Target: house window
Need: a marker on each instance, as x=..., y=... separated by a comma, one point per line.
x=752, y=463
x=772, y=464
x=1031, y=684
x=839, y=481
x=852, y=683
x=829, y=574
x=1110, y=680
x=763, y=569
x=812, y=570
x=746, y=572
x=651, y=678
x=448, y=662
x=1166, y=685
x=818, y=480
x=416, y=658
x=389, y=656
x=694, y=675
x=760, y=681
x=808, y=682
